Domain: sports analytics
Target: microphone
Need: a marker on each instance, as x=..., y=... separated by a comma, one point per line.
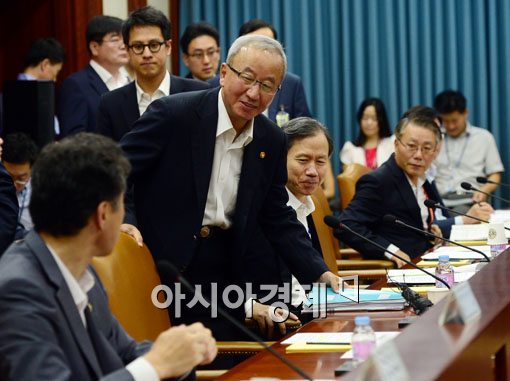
x=334, y=222
x=166, y=267
x=429, y=203
x=485, y=180
x=389, y=218
x=468, y=186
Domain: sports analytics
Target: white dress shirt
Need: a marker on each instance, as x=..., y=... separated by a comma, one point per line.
x=226, y=169
x=144, y=99
x=111, y=82
x=24, y=216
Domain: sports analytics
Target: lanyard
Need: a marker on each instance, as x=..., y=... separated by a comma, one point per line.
x=461, y=153
x=22, y=205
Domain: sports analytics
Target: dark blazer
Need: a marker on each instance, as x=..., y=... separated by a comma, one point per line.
x=386, y=191
x=118, y=109
x=9, y=209
x=79, y=100
x=171, y=150
x=42, y=336
x=291, y=96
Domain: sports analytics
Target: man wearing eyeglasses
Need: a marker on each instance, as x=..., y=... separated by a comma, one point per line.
x=146, y=34
x=399, y=187
x=80, y=93
x=200, y=44
x=206, y=168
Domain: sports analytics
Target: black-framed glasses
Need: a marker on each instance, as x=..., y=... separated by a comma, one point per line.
x=412, y=148
x=154, y=46
x=200, y=55
x=249, y=80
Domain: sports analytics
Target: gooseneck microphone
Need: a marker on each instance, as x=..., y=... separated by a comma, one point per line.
x=469, y=187
x=429, y=203
x=388, y=218
x=166, y=267
x=485, y=180
x=334, y=223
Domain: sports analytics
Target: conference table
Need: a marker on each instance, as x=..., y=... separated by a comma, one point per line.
x=428, y=350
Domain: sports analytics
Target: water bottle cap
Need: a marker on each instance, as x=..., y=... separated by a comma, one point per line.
x=362, y=320
x=444, y=258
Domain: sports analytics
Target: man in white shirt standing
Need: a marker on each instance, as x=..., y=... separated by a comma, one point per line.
x=80, y=92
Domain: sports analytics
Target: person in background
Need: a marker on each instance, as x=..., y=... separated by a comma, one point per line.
x=43, y=61
x=374, y=143
x=19, y=155
x=8, y=207
x=200, y=45
x=81, y=92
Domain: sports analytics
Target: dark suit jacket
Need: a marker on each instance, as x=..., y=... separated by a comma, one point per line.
x=291, y=96
x=171, y=150
x=79, y=100
x=386, y=191
x=42, y=336
x=118, y=109
x=9, y=209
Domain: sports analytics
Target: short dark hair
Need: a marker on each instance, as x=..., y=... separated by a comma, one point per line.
x=419, y=120
x=71, y=178
x=304, y=127
x=256, y=24
x=423, y=110
x=382, y=119
x=450, y=101
x=147, y=16
x=18, y=148
x=100, y=26
x=43, y=48
x=195, y=30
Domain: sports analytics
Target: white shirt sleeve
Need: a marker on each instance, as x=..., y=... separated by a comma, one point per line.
x=142, y=370
x=392, y=248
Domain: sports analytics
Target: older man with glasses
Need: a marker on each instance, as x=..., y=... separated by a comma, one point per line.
x=207, y=167
x=399, y=187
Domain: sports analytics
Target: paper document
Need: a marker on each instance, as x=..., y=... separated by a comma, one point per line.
x=414, y=276
x=329, y=337
x=456, y=252
x=475, y=232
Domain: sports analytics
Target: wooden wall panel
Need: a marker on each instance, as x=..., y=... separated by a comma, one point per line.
x=135, y=4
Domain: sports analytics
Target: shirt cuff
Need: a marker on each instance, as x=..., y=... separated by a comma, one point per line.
x=393, y=249
x=142, y=370
x=459, y=220
x=248, y=307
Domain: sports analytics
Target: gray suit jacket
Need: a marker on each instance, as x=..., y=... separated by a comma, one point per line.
x=42, y=336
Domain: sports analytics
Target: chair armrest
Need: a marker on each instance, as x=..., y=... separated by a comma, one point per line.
x=209, y=375
x=348, y=253
x=240, y=347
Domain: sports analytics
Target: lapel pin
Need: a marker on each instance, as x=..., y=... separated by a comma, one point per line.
x=262, y=154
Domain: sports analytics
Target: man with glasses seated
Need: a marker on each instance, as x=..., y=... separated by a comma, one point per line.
x=206, y=169
x=80, y=93
x=398, y=187
x=200, y=44
x=146, y=33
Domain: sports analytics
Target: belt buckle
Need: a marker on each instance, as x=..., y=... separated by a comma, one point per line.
x=205, y=231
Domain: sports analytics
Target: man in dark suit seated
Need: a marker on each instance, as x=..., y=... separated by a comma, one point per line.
x=399, y=187
x=55, y=322
x=207, y=168
x=146, y=33
x=80, y=92
x=8, y=207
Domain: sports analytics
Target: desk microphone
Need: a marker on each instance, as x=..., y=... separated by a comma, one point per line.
x=168, y=268
x=468, y=186
x=335, y=223
x=388, y=218
x=434, y=204
x=485, y=180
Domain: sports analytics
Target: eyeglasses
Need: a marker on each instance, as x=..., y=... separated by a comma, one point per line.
x=412, y=148
x=154, y=46
x=116, y=40
x=200, y=55
x=266, y=87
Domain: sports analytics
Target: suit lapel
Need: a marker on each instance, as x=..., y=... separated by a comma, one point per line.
x=65, y=300
x=130, y=108
x=96, y=82
x=175, y=85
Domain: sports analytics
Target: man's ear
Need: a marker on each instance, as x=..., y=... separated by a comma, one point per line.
x=223, y=73
x=94, y=48
x=101, y=214
x=185, y=59
x=168, y=45
x=44, y=64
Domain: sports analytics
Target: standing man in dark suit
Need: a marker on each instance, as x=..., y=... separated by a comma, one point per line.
x=207, y=167
x=146, y=33
x=8, y=207
x=55, y=322
x=80, y=92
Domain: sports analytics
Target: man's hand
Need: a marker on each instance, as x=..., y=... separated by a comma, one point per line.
x=133, y=232
x=400, y=263
x=262, y=315
x=479, y=197
x=434, y=229
x=331, y=279
x=482, y=210
x=179, y=349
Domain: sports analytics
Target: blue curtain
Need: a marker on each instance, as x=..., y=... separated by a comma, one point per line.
x=402, y=51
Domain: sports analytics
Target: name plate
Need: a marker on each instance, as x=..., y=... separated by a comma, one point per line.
x=461, y=306
x=385, y=364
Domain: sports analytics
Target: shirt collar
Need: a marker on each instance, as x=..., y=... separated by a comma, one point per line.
x=225, y=124
x=466, y=132
x=421, y=181
x=307, y=207
x=164, y=87
x=104, y=74
x=26, y=77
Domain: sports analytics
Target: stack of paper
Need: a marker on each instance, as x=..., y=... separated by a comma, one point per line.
x=415, y=276
x=353, y=300
x=475, y=232
x=456, y=252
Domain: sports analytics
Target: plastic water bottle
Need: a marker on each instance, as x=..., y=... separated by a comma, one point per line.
x=363, y=339
x=444, y=270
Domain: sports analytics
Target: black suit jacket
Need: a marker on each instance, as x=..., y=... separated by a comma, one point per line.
x=9, y=209
x=387, y=191
x=171, y=150
x=42, y=336
x=79, y=100
x=118, y=109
